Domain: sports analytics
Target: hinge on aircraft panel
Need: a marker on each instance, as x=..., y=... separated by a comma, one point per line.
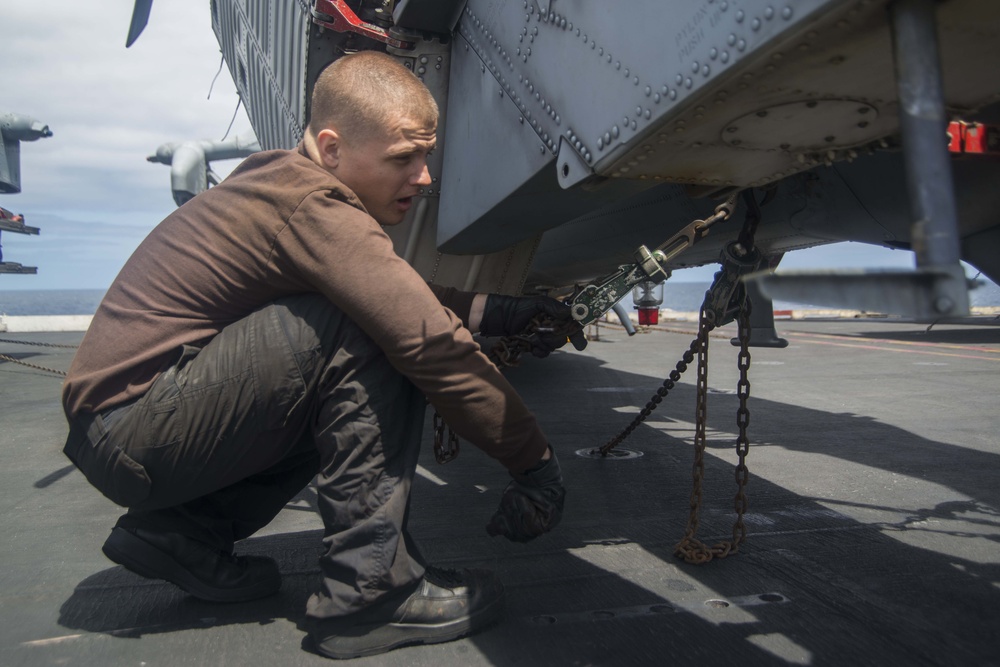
x=337, y=16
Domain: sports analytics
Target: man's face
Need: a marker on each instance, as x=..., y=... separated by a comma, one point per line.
x=387, y=171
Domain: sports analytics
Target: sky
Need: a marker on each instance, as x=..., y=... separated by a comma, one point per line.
x=89, y=187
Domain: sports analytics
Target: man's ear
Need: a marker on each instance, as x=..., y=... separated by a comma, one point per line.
x=328, y=145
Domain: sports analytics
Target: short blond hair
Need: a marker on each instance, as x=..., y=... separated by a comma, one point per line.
x=358, y=94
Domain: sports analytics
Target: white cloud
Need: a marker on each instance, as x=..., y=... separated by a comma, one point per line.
x=108, y=108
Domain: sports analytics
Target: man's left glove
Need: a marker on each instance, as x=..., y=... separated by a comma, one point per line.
x=532, y=504
x=511, y=315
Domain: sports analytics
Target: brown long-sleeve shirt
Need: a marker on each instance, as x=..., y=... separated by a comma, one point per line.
x=281, y=225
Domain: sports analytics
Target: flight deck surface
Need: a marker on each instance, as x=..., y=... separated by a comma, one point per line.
x=874, y=518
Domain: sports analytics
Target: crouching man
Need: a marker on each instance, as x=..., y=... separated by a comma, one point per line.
x=264, y=334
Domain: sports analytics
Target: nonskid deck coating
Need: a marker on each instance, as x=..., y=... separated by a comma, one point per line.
x=874, y=518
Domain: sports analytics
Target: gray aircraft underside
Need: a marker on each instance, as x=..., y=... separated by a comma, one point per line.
x=572, y=131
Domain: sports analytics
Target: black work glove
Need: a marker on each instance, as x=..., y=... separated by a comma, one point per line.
x=532, y=504
x=511, y=315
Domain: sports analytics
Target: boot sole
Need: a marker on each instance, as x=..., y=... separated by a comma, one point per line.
x=366, y=640
x=138, y=556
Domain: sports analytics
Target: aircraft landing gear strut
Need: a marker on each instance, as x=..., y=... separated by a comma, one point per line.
x=925, y=154
x=937, y=288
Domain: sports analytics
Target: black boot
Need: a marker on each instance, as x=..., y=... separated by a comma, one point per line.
x=445, y=605
x=206, y=573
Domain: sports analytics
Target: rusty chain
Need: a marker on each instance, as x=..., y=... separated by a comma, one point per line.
x=716, y=310
x=689, y=553
x=742, y=422
x=655, y=400
x=35, y=344
x=5, y=357
x=690, y=548
x=446, y=446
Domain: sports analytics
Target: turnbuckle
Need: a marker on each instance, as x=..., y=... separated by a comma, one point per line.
x=597, y=298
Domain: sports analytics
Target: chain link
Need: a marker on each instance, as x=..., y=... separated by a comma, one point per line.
x=690, y=548
x=696, y=552
x=33, y=343
x=445, y=448
x=742, y=421
x=655, y=400
x=713, y=313
x=4, y=357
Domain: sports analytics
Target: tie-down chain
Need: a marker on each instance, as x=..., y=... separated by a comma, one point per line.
x=725, y=301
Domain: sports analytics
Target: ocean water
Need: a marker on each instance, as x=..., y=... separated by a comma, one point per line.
x=50, y=302
x=677, y=296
